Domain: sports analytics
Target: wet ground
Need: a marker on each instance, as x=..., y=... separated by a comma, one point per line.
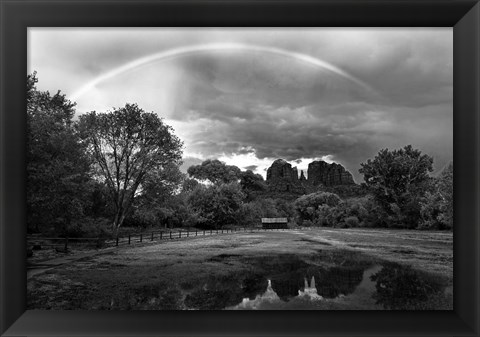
x=316, y=269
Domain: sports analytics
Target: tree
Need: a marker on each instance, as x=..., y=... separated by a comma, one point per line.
x=216, y=205
x=445, y=189
x=161, y=183
x=308, y=205
x=159, y=186
x=397, y=180
x=58, y=168
x=215, y=171
x=127, y=145
x=437, y=204
x=252, y=184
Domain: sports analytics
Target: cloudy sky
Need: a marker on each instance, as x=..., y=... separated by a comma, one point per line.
x=250, y=96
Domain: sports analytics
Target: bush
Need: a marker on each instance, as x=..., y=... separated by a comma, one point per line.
x=307, y=223
x=250, y=214
x=216, y=206
x=436, y=208
x=352, y=221
x=89, y=228
x=307, y=205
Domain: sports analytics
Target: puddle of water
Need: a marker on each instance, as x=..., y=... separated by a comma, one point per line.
x=308, y=297
x=388, y=286
x=289, y=282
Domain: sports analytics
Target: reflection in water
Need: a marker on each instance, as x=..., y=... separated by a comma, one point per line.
x=310, y=292
x=309, y=298
x=269, y=296
x=402, y=287
x=289, y=283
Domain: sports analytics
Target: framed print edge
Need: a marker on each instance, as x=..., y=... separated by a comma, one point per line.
x=17, y=16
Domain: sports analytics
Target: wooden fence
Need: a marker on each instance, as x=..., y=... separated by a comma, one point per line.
x=63, y=244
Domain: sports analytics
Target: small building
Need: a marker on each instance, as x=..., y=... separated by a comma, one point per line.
x=274, y=223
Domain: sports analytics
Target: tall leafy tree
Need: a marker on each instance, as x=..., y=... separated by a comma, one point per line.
x=397, y=180
x=217, y=205
x=58, y=168
x=127, y=145
x=159, y=186
x=252, y=184
x=215, y=171
x=437, y=204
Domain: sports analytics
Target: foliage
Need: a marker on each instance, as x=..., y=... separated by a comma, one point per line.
x=347, y=191
x=250, y=214
x=307, y=205
x=215, y=171
x=252, y=184
x=152, y=207
x=217, y=205
x=127, y=145
x=401, y=287
x=437, y=204
x=87, y=227
x=58, y=170
x=189, y=185
x=397, y=180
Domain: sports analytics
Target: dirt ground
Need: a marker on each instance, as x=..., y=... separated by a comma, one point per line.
x=200, y=272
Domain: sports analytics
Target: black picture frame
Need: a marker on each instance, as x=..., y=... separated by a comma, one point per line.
x=462, y=15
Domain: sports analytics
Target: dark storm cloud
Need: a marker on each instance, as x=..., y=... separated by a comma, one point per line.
x=244, y=103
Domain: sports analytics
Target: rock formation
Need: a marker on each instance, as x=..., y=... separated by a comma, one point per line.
x=282, y=177
x=322, y=173
x=302, y=177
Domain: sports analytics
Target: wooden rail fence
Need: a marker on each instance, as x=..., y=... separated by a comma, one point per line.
x=63, y=243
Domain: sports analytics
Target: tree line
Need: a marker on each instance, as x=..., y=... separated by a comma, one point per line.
x=97, y=173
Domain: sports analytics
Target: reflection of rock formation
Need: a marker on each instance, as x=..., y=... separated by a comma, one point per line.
x=310, y=291
x=269, y=296
x=330, y=283
x=281, y=177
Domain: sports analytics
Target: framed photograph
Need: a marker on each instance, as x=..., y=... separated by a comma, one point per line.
x=240, y=168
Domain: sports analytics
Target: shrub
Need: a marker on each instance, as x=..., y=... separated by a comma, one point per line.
x=89, y=228
x=352, y=221
x=307, y=205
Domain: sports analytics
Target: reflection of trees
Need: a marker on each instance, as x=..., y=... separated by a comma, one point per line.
x=401, y=287
x=219, y=292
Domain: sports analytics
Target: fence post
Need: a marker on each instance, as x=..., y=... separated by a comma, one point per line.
x=195, y=232
x=170, y=235
x=188, y=233
x=141, y=237
x=66, y=244
x=179, y=234
x=204, y=232
x=129, y=238
x=210, y=232
x=161, y=235
x=152, y=236
x=116, y=242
